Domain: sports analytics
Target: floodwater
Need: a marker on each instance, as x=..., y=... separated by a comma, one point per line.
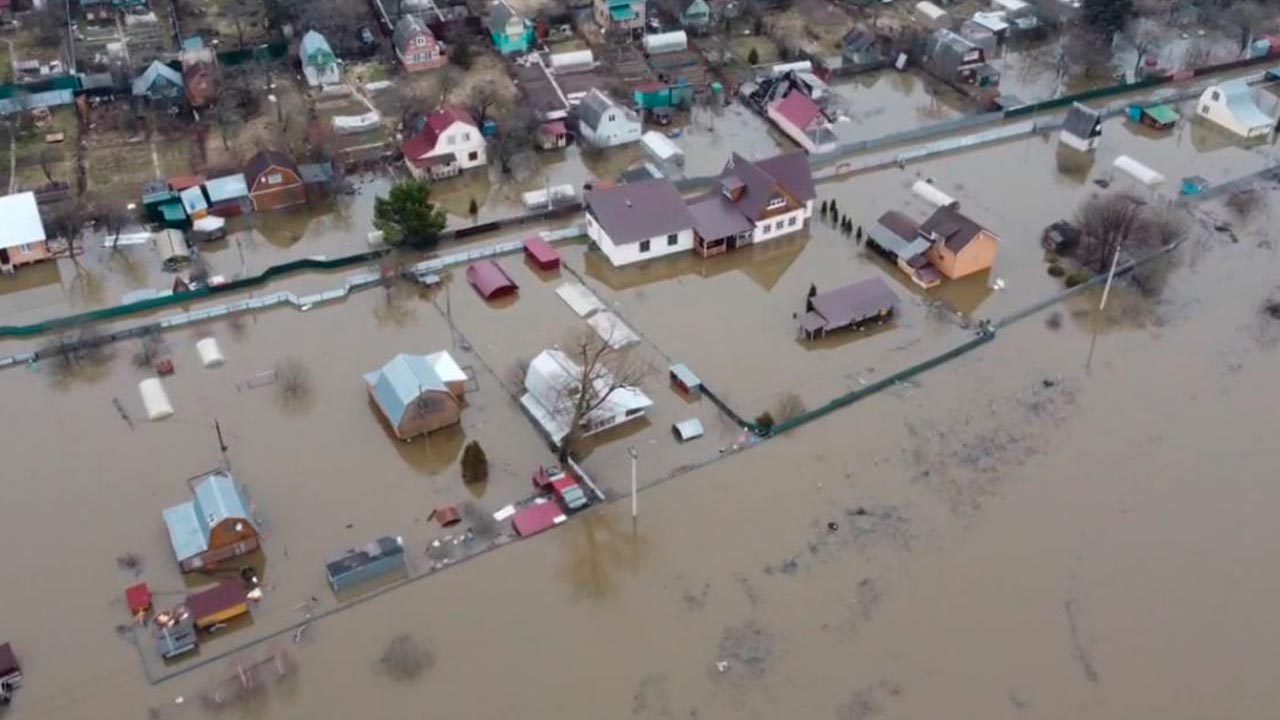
x=1047, y=527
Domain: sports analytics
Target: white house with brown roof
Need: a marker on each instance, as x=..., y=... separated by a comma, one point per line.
x=24, y=241
x=639, y=221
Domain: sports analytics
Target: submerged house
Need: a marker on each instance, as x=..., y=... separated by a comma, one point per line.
x=552, y=387
x=851, y=306
x=511, y=33
x=946, y=245
x=959, y=61
x=800, y=118
x=862, y=50
x=639, y=221
x=319, y=64
x=418, y=394
x=214, y=526
x=416, y=46
x=447, y=142
x=1082, y=128
x=356, y=566
x=752, y=202
x=604, y=123
x=274, y=181
x=1230, y=105
x=23, y=241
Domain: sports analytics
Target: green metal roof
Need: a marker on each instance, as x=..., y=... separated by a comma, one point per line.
x=1162, y=114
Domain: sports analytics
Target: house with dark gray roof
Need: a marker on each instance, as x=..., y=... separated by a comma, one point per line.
x=957, y=60
x=604, y=123
x=754, y=201
x=416, y=46
x=1082, y=128
x=948, y=245
x=639, y=221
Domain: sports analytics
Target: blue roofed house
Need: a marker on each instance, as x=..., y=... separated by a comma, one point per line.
x=1230, y=105
x=159, y=82
x=510, y=31
x=418, y=394
x=319, y=64
x=213, y=526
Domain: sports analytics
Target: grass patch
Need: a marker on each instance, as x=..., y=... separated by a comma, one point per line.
x=766, y=51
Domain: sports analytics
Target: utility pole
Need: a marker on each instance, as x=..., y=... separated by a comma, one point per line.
x=1102, y=304
x=635, y=455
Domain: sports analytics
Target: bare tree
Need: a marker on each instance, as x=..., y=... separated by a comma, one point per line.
x=1244, y=203
x=1196, y=55
x=68, y=223
x=516, y=136
x=293, y=379
x=789, y=407
x=74, y=349
x=448, y=80
x=114, y=217
x=1121, y=221
x=1250, y=19
x=1086, y=51
x=483, y=96
x=151, y=347
x=50, y=22
x=1144, y=35
x=405, y=659
x=595, y=370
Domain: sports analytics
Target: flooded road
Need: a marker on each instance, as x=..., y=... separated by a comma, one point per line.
x=1010, y=535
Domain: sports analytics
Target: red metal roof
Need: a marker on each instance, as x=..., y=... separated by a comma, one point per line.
x=489, y=279
x=798, y=109
x=543, y=255
x=138, y=598
x=223, y=596
x=555, y=128
x=536, y=518
x=8, y=661
x=437, y=122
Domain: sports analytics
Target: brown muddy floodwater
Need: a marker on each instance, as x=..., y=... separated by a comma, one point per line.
x=1057, y=525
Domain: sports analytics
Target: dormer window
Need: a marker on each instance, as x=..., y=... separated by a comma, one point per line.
x=776, y=202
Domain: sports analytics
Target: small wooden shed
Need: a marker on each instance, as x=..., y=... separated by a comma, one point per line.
x=223, y=602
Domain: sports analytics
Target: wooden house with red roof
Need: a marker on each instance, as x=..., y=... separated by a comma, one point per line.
x=274, y=181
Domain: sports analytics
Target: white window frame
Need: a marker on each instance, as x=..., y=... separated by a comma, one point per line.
x=776, y=202
x=26, y=248
x=275, y=178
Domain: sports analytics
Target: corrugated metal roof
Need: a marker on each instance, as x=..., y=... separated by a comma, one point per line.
x=405, y=378
x=217, y=498
x=156, y=71
x=549, y=397
x=843, y=306
x=229, y=187
x=219, y=598
x=489, y=279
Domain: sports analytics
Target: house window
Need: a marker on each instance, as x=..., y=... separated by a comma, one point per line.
x=644, y=246
x=776, y=202
x=1204, y=109
x=451, y=140
x=672, y=239
x=611, y=117
x=1214, y=97
x=466, y=137
x=25, y=248
x=421, y=41
x=791, y=222
x=765, y=228
x=275, y=179
x=473, y=156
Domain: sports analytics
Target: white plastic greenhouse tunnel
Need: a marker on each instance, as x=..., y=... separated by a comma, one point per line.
x=155, y=399
x=210, y=354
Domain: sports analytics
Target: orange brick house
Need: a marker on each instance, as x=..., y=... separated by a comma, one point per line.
x=959, y=246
